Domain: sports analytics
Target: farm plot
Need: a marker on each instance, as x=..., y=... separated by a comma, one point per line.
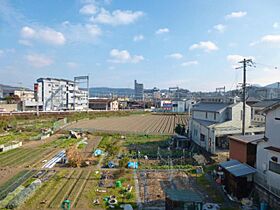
x=64, y=184
x=22, y=157
x=143, y=124
x=152, y=185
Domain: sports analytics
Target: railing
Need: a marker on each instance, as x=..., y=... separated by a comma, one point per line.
x=261, y=180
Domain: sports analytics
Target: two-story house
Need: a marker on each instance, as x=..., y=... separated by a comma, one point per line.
x=212, y=122
x=268, y=158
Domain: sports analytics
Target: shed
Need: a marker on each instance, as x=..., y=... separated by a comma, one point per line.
x=182, y=199
x=238, y=178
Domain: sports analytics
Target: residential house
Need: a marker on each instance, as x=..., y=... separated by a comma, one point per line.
x=268, y=158
x=213, y=120
x=257, y=116
x=103, y=104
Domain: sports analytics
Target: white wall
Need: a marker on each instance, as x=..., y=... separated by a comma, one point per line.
x=272, y=132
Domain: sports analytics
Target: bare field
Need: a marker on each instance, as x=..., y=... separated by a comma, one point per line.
x=142, y=124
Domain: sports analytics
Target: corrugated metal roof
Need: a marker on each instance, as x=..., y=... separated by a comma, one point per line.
x=266, y=103
x=183, y=195
x=238, y=169
x=210, y=107
x=204, y=122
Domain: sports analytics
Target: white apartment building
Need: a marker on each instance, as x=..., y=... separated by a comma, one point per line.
x=212, y=121
x=60, y=94
x=268, y=155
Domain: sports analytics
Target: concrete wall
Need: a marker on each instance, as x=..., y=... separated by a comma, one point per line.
x=272, y=131
x=4, y=148
x=209, y=141
x=267, y=178
x=8, y=107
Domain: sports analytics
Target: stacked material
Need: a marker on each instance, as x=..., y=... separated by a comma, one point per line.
x=57, y=158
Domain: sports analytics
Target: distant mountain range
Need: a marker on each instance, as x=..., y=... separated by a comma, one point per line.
x=273, y=85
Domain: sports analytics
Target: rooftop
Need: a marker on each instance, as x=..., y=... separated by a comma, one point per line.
x=210, y=107
x=265, y=103
x=57, y=79
x=205, y=122
x=237, y=169
x=247, y=138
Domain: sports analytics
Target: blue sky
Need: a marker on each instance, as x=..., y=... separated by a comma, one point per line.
x=193, y=44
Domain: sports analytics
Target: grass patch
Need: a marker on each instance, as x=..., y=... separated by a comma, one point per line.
x=62, y=143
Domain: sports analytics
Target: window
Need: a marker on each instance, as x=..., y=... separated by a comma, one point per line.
x=206, y=115
x=274, y=167
x=202, y=137
x=215, y=116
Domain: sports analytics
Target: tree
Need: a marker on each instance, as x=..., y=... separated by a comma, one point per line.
x=180, y=129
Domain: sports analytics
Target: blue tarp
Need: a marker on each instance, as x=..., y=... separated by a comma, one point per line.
x=98, y=152
x=132, y=165
x=111, y=164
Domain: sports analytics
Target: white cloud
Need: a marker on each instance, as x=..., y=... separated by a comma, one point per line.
x=239, y=14
x=162, y=31
x=123, y=56
x=89, y=9
x=117, y=17
x=220, y=28
x=176, y=56
x=275, y=25
x=27, y=32
x=38, y=61
x=271, y=39
x=207, y=46
x=47, y=35
x=72, y=65
x=138, y=38
x=234, y=59
x=81, y=32
x=190, y=63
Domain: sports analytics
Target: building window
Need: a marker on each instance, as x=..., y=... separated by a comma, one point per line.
x=202, y=137
x=215, y=116
x=206, y=115
x=274, y=167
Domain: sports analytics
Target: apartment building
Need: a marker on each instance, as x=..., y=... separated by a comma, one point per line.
x=60, y=94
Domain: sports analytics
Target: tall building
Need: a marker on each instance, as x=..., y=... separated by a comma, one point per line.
x=60, y=94
x=138, y=91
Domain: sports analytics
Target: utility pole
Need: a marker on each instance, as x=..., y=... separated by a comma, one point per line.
x=245, y=62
